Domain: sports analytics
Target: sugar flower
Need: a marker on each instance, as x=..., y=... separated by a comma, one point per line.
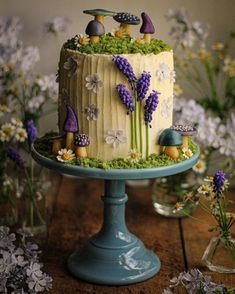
x=14, y=155
x=91, y=112
x=80, y=40
x=31, y=131
x=65, y=155
x=143, y=85
x=115, y=138
x=150, y=106
x=20, y=134
x=93, y=83
x=118, y=32
x=187, y=153
x=200, y=167
x=72, y=65
x=165, y=73
x=166, y=107
x=134, y=155
x=126, y=97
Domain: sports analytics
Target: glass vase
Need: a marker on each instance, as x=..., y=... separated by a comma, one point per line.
x=167, y=191
x=219, y=255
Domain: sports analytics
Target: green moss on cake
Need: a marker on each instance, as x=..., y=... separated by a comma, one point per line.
x=109, y=44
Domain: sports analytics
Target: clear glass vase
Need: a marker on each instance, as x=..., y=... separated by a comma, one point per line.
x=219, y=255
x=167, y=191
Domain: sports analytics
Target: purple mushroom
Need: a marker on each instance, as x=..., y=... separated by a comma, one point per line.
x=147, y=27
x=70, y=127
x=186, y=131
x=81, y=141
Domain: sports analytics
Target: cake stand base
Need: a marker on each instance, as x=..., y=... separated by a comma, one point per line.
x=114, y=256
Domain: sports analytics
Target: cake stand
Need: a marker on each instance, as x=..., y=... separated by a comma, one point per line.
x=114, y=256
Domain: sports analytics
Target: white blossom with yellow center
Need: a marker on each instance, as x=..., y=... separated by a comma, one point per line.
x=204, y=189
x=2, y=136
x=21, y=135
x=134, y=155
x=187, y=153
x=80, y=40
x=200, y=167
x=177, y=90
x=65, y=155
x=118, y=32
x=9, y=130
x=218, y=46
x=16, y=122
x=4, y=108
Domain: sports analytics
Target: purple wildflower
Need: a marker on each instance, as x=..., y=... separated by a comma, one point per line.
x=14, y=155
x=143, y=85
x=31, y=131
x=150, y=106
x=218, y=180
x=126, y=97
x=124, y=66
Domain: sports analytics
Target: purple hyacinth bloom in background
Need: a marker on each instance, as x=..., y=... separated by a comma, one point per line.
x=143, y=85
x=218, y=180
x=124, y=66
x=14, y=155
x=126, y=97
x=150, y=106
x=31, y=131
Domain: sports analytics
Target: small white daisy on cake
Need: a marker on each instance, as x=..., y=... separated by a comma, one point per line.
x=200, y=166
x=80, y=40
x=134, y=155
x=118, y=32
x=187, y=153
x=65, y=155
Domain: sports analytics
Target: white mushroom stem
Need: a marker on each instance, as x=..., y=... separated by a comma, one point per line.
x=185, y=142
x=147, y=38
x=69, y=141
x=94, y=39
x=172, y=152
x=100, y=18
x=80, y=151
x=126, y=27
x=56, y=146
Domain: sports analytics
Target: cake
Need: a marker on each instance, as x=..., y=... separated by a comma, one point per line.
x=119, y=87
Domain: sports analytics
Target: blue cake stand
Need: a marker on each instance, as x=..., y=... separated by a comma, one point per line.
x=114, y=256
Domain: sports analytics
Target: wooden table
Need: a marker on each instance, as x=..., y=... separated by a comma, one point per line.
x=179, y=243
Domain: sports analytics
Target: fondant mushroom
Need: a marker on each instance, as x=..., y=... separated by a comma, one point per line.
x=95, y=29
x=186, y=131
x=70, y=127
x=147, y=27
x=57, y=142
x=99, y=14
x=170, y=139
x=81, y=141
x=126, y=20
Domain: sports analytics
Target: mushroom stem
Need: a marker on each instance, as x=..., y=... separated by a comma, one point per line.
x=172, y=152
x=80, y=151
x=126, y=27
x=94, y=39
x=185, y=142
x=147, y=38
x=69, y=141
x=100, y=18
x=56, y=146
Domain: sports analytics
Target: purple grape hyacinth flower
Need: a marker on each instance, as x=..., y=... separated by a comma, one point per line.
x=143, y=85
x=124, y=66
x=31, y=131
x=14, y=155
x=150, y=107
x=126, y=97
x=218, y=181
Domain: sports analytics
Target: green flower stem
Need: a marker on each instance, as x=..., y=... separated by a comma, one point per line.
x=140, y=127
x=132, y=131
x=136, y=120
x=147, y=140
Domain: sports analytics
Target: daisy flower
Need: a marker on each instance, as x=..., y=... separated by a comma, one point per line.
x=80, y=40
x=200, y=167
x=118, y=32
x=2, y=136
x=21, y=134
x=177, y=90
x=187, y=153
x=9, y=130
x=134, y=155
x=204, y=189
x=65, y=155
x=16, y=122
x=178, y=207
x=138, y=41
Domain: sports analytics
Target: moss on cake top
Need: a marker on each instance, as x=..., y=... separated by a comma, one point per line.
x=109, y=44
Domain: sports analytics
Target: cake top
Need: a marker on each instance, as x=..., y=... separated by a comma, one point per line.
x=120, y=40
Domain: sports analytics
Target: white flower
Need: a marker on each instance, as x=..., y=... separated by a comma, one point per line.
x=94, y=83
x=115, y=138
x=118, y=32
x=20, y=135
x=91, y=112
x=16, y=122
x=72, y=65
x=30, y=58
x=180, y=15
x=35, y=103
x=178, y=206
x=4, y=108
x=166, y=107
x=165, y=73
x=3, y=136
x=80, y=40
x=9, y=130
x=134, y=155
x=204, y=189
x=59, y=24
x=187, y=153
x=200, y=167
x=65, y=155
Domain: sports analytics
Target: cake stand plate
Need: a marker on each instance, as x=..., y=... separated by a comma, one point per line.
x=114, y=256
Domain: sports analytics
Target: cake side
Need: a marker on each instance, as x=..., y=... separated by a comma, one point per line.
x=111, y=113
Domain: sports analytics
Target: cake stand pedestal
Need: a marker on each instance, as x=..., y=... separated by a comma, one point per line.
x=114, y=256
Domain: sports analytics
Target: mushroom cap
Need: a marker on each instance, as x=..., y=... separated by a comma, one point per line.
x=170, y=137
x=185, y=130
x=127, y=18
x=147, y=25
x=95, y=28
x=98, y=11
x=71, y=121
x=81, y=140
